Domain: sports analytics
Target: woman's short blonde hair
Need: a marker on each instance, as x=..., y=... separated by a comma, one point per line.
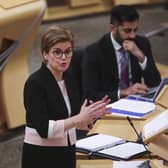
x=53, y=35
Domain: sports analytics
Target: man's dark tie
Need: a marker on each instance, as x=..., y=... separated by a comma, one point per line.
x=124, y=76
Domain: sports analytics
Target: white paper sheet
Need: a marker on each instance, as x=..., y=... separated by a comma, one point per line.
x=125, y=150
x=127, y=164
x=132, y=108
x=99, y=141
x=159, y=123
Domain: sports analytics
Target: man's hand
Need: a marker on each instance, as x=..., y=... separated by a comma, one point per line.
x=136, y=88
x=130, y=46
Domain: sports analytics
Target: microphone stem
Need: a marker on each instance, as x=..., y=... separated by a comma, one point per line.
x=139, y=140
x=132, y=125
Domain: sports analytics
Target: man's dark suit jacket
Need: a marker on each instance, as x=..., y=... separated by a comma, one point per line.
x=100, y=70
x=43, y=100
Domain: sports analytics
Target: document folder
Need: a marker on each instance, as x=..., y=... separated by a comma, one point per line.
x=107, y=146
x=132, y=108
x=125, y=151
x=155, y=133
x=156, y=126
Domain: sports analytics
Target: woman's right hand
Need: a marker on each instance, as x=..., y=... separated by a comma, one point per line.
x=89, y=113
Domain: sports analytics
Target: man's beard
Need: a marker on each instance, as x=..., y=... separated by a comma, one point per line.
x=120, y=40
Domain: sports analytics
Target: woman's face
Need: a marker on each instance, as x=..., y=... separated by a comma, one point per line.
x=59, y=57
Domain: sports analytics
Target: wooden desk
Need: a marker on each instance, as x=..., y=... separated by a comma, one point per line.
x=19, y=20
x=116, y=127
x=163, y=69
x=105, y=163
x=73, y=8
x=119, y=126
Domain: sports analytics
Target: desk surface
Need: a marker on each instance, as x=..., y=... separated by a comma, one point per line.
x=119, y=126
x=105, y=163
x=163, y=69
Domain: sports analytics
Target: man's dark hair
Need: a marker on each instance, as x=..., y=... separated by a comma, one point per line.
x=122, y=13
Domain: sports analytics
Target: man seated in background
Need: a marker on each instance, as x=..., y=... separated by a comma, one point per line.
x=121, y=62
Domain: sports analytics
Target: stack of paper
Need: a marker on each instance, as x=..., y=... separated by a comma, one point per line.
x=131, y=108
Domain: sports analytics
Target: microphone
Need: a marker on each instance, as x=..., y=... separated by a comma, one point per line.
x=139, y=136
x=145, y=164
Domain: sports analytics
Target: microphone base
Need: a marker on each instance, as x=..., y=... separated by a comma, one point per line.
x=139, y=140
